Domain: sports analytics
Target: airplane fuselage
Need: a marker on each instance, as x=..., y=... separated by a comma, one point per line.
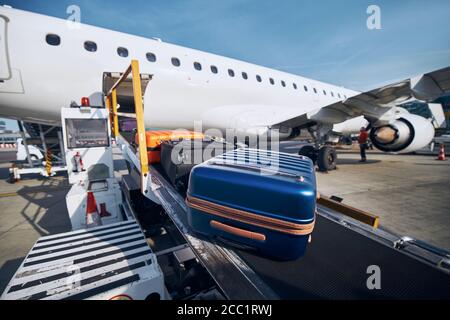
x=46, y=77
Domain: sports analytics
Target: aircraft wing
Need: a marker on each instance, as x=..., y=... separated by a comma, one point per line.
x=376, y=105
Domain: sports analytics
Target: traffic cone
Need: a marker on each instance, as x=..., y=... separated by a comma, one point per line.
x=93, y=218
x=441, y=153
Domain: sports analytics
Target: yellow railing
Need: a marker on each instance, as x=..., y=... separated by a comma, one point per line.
x=111, y=103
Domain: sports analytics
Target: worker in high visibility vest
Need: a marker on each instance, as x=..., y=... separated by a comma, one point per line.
x=363, y=141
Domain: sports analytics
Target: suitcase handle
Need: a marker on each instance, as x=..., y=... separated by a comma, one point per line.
x=237, y=231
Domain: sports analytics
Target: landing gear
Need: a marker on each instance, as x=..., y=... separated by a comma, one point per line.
x=325, y=157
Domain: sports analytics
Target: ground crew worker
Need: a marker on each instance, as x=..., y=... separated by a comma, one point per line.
x=362, y=140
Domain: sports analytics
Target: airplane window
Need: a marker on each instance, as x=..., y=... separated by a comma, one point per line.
x=324, y=93
x=258, y=78
x=244, y=75
x=176, y=62
x=271, y=81
x=231, y=72
x=345, y=97
x=315, y=90
x=295, y=86
x=90, y=46
x=214, y=69
x=332, y=94
x=123, y=52
x=305, y=87
x=151, y=57
x=197, y=66
x=339, y=95
x=283, y=83
x=53, y=39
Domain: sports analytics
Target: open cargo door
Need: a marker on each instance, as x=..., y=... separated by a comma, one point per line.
x=125, y=94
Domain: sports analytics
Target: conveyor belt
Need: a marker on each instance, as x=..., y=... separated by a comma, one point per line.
x=334, y=267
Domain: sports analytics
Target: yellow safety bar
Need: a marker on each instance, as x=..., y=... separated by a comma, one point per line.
x=111, y=103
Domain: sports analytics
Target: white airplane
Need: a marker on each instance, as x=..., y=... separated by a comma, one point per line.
x=45, y=64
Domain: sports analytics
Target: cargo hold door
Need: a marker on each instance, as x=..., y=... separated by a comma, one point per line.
x=5, y=68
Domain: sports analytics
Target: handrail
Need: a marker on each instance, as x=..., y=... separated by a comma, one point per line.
x=115, y=123
x=111, y=103
x=357, y=214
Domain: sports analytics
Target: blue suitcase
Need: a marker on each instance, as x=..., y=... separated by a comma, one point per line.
x=258, y=198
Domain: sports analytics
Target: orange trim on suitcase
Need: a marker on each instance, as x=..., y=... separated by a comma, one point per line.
x=249, y=218
x=237, y=231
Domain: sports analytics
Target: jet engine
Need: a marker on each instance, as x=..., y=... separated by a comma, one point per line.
x=406, y=134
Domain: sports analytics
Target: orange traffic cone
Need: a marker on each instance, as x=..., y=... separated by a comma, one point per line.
x=93, y=218
x=441, y=153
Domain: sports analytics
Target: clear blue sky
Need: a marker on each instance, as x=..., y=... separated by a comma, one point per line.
x=324, y=40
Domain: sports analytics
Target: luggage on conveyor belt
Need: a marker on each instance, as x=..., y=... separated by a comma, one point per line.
x=179, y=157
x=154, y=139
x=257, y=198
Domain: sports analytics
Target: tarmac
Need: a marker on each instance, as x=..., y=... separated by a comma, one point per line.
x=408, y=192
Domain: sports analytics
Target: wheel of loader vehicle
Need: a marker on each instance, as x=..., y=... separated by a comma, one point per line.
x=12, y=178
x=308, y=151
x=327, y=158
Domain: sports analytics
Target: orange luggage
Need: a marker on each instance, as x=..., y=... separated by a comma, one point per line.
x=154, y=138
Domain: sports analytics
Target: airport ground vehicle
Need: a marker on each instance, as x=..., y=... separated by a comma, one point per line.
x=336, y=266
x=106, y=255
x=33, y=151
x=39, y=152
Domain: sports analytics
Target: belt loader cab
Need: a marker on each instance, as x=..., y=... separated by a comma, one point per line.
x=88, y=153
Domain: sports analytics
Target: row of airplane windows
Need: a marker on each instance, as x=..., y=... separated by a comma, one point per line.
x=55, y=40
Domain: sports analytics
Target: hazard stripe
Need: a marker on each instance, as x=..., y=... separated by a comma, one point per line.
x=112, y=285
x=96, y=236
x=98, y=256
x=85, y=263
x=63, y=275
x=82, y=232
x=32, y=273
x=83, y=282
x=84, y=244
x=72, y=254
